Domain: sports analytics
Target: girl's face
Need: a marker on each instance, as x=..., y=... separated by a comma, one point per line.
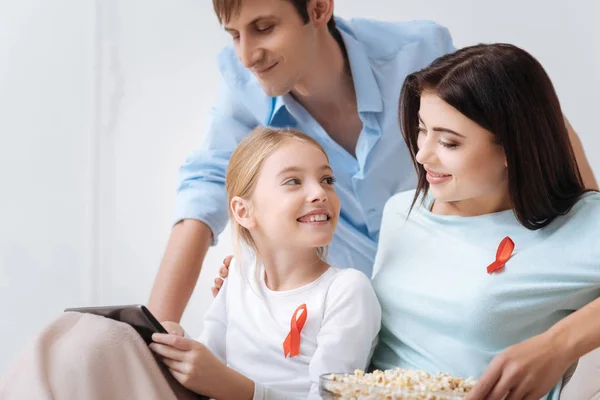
x=294, y=203
x=465, y=166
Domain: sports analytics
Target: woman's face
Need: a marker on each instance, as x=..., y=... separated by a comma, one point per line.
x=465, y=166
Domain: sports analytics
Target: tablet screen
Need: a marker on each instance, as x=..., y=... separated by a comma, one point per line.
x=135, y=315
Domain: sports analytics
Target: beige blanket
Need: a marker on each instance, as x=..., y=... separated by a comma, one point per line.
x=83, y=356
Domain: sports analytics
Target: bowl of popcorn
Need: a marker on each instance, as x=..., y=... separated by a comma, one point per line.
x=394, y=384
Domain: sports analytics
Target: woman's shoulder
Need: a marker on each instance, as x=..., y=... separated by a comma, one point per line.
x=586, y=210
x=400, y=203
x=589, y=200
x=580, y=225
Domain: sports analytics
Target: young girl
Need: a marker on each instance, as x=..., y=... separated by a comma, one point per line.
x=284, y=316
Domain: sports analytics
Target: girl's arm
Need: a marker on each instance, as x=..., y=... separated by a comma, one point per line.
x=349, y=330
x=201, y=366
x=213, y=335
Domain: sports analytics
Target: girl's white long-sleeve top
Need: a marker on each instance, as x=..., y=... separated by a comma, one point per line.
x=247, y=324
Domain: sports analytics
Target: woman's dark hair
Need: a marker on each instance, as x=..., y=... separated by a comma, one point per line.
x=506, y=91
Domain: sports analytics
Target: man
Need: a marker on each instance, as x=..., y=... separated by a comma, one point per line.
x=293, y=65
x=290, y=65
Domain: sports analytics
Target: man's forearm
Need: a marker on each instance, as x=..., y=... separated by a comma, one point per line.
x=179, y=269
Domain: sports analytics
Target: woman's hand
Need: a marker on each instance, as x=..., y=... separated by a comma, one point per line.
x=525, y=371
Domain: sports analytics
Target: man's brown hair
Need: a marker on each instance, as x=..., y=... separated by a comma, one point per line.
x=225, y=9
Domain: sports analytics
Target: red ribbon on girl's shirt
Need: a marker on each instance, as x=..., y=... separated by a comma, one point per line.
x=503, y=253
x=291, y=345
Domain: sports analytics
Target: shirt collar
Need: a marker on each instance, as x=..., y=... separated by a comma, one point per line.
x=368, y=96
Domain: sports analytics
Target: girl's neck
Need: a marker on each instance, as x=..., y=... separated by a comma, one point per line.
x=288, y=269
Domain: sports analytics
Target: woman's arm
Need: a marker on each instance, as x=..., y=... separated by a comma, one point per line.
x=584, y=166
x=531, y=368
x=579, y=333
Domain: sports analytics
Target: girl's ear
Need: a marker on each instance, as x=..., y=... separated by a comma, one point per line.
x=242, y=212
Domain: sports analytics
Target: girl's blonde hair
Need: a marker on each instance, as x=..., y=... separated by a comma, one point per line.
x=244, y=167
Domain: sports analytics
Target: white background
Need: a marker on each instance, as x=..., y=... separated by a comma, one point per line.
x=100, y=101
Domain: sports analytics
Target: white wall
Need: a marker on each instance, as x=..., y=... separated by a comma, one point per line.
x=47, y=84
x=100, y=101
x=165, y=75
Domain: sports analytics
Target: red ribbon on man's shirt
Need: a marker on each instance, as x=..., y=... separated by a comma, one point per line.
x=291, y=345
x=503, y=253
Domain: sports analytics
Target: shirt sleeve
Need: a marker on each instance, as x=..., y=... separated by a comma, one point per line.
x=262, y=392
x=445, y=41
x=213, y=335
x=201, y=193
x=348, y=334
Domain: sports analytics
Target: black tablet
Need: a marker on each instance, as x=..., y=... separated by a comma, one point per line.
x=136, y=315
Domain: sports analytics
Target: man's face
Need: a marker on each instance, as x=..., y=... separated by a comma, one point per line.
x=273, y=42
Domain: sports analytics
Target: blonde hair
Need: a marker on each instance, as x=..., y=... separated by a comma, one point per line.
x=244, y=167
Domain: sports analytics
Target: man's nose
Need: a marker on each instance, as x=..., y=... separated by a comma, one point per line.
x=248, y=52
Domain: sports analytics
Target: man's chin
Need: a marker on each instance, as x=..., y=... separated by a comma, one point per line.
x=274, y=90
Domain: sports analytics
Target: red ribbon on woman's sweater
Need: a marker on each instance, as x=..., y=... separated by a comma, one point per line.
x=291, y=345
x=503, y=253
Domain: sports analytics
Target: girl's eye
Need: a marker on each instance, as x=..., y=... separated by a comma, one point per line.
x=330, y=180
x=292, y=181
x=447, y=144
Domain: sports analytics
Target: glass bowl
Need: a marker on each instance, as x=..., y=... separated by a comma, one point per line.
x=331, y=386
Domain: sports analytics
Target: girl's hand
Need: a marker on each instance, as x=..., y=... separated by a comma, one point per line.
x=190, y=362
x=173, y=328
x=525, y=371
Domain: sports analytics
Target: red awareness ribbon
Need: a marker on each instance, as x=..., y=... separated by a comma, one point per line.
x=291, y=345
x=503, y=253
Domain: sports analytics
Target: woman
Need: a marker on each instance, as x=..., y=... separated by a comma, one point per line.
x=500, y=240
